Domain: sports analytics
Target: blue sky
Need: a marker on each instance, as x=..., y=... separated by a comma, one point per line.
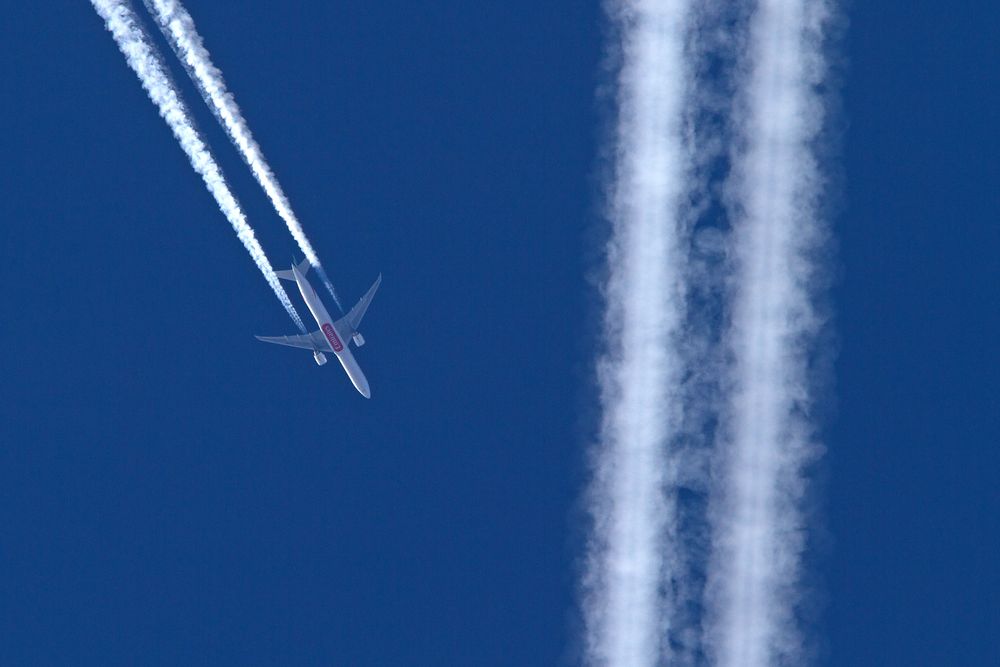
x=173, y=491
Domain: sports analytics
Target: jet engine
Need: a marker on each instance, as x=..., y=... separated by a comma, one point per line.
x=319, y=357
x=358, y=339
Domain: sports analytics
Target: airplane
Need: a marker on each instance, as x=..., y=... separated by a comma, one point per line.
x=331, y=336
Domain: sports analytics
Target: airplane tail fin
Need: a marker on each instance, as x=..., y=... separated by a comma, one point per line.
x=302, y=266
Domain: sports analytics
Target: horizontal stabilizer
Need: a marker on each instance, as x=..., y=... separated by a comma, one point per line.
x=303, y=268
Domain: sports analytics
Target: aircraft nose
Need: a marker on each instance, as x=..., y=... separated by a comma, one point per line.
x=362, y=386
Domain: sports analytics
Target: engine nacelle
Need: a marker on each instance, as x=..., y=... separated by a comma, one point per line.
x=358, y=339
x=319, y=357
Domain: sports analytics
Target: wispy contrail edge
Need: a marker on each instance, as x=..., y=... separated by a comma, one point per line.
x=633, y=544
x=141, y=56
x=180, y=31
x=753, y=588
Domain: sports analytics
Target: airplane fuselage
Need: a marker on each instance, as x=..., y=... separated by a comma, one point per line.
x=338, y=340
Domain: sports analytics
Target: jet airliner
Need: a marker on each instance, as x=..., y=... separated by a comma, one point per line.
x=331, y=336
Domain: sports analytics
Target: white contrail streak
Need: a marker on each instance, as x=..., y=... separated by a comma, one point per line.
x=122, y=23
x=753, y=588
x=633, y=545
x=179, y=29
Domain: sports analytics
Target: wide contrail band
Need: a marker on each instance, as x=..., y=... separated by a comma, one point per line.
x=179, y=29
x=709, y=337
x=632, y=509
x=757, y=523
x=123, y=24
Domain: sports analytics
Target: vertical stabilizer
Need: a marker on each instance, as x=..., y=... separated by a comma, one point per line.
x=302, y=267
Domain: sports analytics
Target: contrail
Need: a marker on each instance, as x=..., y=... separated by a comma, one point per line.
x=179, y=29
x=142, y=57
x=634, y=542
x=753, y=589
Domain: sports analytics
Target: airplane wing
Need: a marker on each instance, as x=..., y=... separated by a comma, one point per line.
x=358, y=312
x=310, y=341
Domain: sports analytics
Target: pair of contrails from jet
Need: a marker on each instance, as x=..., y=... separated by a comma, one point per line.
x=331, y=336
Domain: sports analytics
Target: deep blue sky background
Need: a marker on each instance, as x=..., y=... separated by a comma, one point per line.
x=174, y=492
